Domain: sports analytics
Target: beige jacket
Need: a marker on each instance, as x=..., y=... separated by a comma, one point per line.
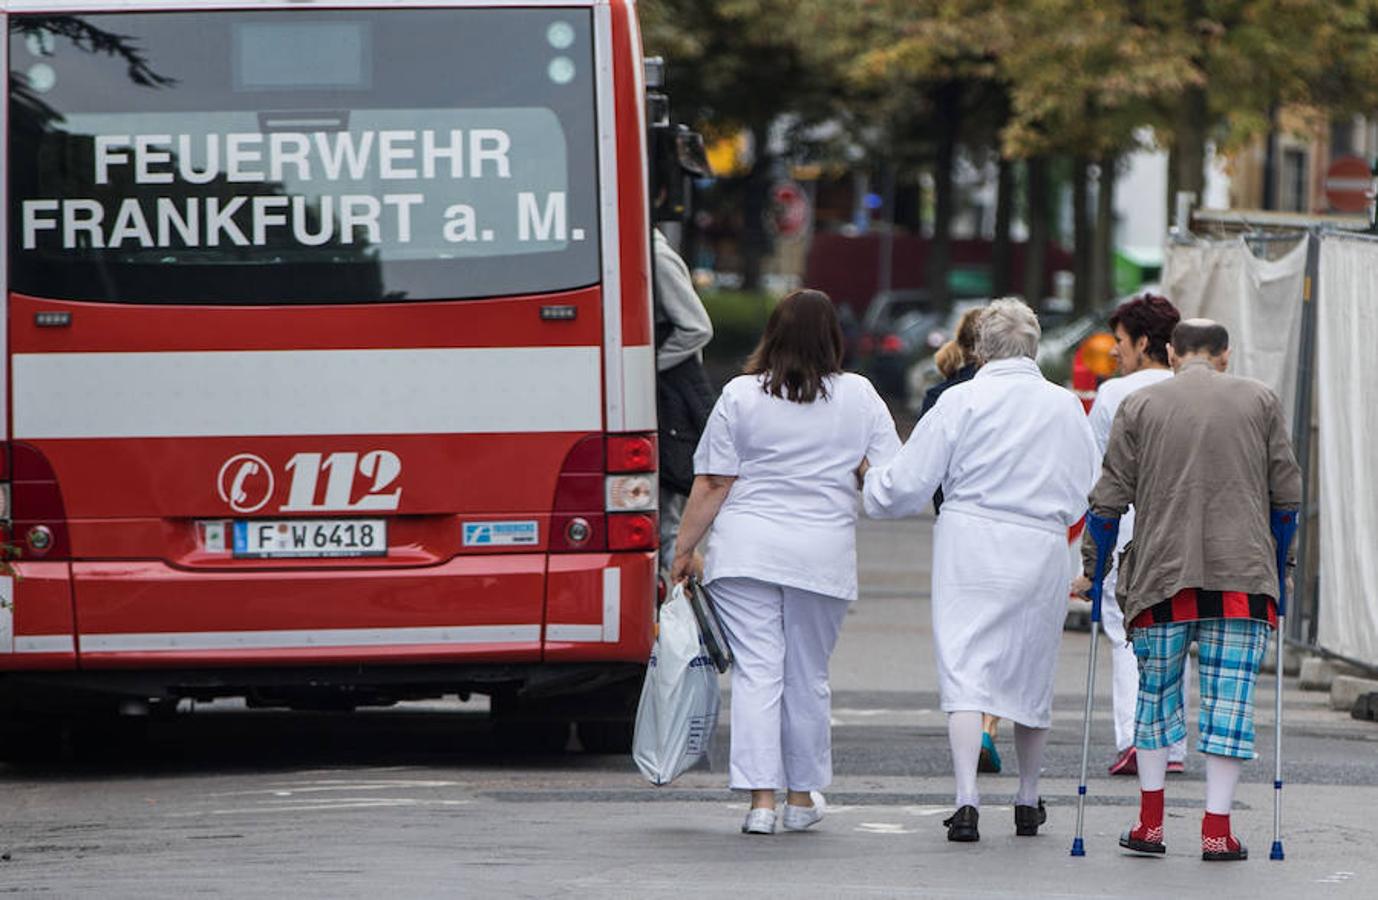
x=1203, y=457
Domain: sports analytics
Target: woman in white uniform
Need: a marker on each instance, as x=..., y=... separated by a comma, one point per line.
x=776, y=478
x=1015, y=459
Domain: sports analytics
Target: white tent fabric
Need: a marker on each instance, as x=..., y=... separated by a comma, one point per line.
x=1258, y=300
x=1346, y=388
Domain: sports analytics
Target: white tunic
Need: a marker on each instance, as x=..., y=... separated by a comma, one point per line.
x=790, y=517
x=1109, y=396
x=1016, y=460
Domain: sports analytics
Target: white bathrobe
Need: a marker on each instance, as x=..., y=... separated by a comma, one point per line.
x=1016, y=459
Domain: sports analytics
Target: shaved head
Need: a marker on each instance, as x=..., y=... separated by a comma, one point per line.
x=1200, y=336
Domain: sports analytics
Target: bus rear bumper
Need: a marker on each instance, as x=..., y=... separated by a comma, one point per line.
x=516, y=609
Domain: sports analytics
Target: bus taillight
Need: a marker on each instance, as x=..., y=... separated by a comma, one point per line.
x=632, y=531
x=632, y=492
x=606, y=496
x=631, y=453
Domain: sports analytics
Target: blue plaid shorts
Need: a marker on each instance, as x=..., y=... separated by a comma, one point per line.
x=1229, y=653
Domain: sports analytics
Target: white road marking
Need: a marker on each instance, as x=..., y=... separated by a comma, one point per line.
x=290, y=788
x=326, y=806
x=883, y=828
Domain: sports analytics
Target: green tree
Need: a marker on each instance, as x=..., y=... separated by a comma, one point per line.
x=743, y=64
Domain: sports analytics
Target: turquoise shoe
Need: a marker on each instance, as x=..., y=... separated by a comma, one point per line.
x=990, y=757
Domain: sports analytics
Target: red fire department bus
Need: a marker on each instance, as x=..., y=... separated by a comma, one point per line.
x=330, y=369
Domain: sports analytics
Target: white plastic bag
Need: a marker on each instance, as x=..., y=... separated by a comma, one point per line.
x=678, y=712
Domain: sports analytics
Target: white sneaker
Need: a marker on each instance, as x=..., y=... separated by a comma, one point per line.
x=759, y=821
x=801, y=818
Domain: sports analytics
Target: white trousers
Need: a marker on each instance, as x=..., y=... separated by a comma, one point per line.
x=1124, y=668
x=781, y=639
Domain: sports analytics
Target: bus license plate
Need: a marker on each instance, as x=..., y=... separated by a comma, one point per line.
x=310, y=538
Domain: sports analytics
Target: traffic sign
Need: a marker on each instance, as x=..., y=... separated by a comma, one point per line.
x=791, y=211
x=1348, y=182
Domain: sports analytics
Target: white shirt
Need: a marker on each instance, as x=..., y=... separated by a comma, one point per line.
x=1008, y=445
x=1109, y=396
x=790, y=517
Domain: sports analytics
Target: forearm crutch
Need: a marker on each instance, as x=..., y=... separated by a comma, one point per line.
x=1284, y=525
x=1103, y=533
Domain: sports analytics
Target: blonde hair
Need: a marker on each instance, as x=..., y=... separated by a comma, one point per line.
x=968, y=327
x=949, y=359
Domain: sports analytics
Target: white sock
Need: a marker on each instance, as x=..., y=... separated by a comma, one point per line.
x=1028, y=746
x=1222, y=775
x=1152, y=768
x=964, y=734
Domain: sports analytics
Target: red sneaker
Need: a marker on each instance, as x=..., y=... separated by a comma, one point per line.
x=1142, y=839
x=1218, y=843
x=1223, y=849
x=1176, y=766
x=1127, y=763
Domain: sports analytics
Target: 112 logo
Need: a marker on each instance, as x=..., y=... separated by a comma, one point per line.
x=246, y=482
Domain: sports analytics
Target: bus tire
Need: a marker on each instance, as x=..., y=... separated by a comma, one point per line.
x=607, y=736
x=31, y=741
x=534, y=737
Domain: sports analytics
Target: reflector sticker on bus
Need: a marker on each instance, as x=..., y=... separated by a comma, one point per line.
x=501, y=534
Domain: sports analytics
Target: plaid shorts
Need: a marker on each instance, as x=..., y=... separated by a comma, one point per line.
x=1230, y=651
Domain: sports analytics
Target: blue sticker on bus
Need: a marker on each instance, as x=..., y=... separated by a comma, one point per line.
x=501, y=534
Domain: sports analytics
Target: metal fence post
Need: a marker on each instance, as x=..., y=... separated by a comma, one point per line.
x=1306, y=597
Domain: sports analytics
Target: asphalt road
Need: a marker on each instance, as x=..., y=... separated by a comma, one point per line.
x=417, y=801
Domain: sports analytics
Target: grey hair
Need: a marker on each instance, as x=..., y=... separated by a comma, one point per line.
x=1008, y=329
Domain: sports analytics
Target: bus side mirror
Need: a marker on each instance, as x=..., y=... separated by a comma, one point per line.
x=677, y=154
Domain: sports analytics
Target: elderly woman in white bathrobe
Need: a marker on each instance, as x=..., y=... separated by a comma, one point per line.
x=1015, y=458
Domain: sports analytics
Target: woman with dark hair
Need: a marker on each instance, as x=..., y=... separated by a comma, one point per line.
x=776, y=478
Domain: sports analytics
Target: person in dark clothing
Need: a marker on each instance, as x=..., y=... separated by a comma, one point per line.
x=953, y=366
x=957, y=362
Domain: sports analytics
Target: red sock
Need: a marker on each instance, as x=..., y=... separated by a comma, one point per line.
x=1215, y=834
x=1150, y=824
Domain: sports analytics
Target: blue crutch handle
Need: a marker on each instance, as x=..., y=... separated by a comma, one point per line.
x=1284, y=525
x=1104, y=531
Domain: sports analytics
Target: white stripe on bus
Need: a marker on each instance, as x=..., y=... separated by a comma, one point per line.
x=608, y=212
x=308, y=639
x=306, y=392
x=639, y=379
x=44, y=643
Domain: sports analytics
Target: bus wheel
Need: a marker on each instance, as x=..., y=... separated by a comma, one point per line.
x=536, y=737
x=607, y=736
x=36, y=741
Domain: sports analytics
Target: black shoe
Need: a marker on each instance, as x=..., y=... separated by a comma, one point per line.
x=962, y=825
x=1132, y=843
x=1028, y=818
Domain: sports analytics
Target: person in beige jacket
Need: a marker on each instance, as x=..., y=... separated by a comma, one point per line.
x=1203, y=457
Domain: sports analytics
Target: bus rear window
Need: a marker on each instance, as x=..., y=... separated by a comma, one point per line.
x=302, y=157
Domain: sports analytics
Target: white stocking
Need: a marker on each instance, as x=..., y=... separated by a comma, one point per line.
x=1222, y=774
x=1028, y=746
x=964, y=734
x=1152, y=768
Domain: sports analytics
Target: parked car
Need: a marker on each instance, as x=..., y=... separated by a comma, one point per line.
x=1062, y=334
x=896, y=332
